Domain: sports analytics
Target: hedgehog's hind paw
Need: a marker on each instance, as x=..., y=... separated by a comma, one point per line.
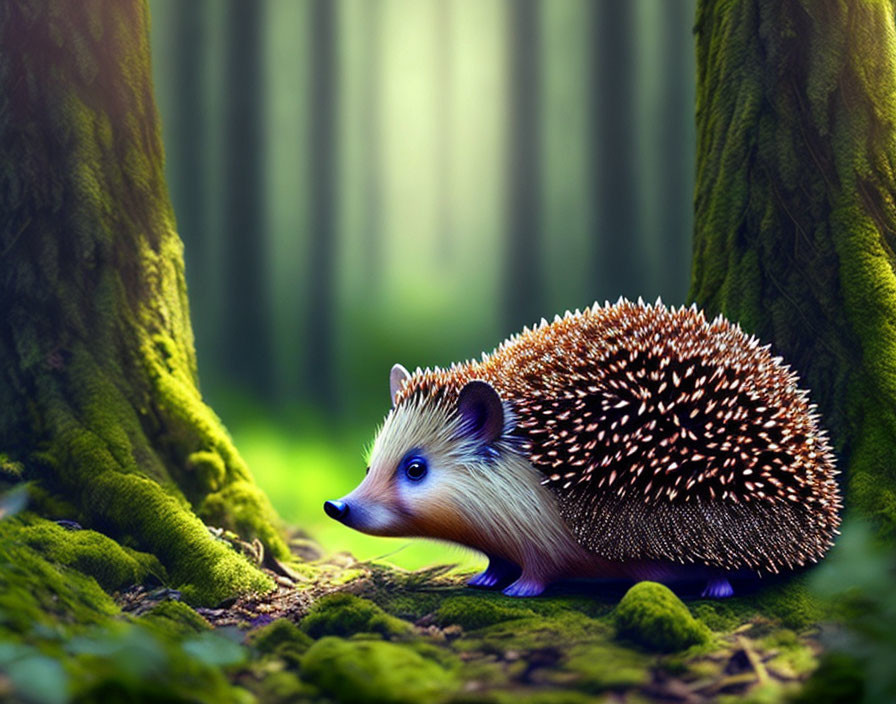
x=525, y=586
x=499, y=572
x=717, y=588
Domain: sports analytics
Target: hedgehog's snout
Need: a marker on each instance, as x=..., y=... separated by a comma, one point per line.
x=337, y=510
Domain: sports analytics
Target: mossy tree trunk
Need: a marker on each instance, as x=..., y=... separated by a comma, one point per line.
x=99, y=402
x=795, y=209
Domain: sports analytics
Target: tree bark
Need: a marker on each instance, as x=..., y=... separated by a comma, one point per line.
x=795, y=210
x=99, y=401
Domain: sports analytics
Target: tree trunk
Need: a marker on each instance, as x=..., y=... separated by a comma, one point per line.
x=795, y=210
x=523, y=288
x=444, y=130
x=99, y=401
x=247, y=328
x=187, y=172
x=323, y=138
x=612, y=155
x=676, y=157
x=372, y=18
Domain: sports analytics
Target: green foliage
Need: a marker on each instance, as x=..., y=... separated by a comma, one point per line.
x=346, y=614
x=858, y=577
x=374, y=671
x=32, y=675
x=652, y=616
x=839, y=678
x=130, y=663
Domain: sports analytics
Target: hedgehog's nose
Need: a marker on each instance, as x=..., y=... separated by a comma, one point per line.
x=336, y=509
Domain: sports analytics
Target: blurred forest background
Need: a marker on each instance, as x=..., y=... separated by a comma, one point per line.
x=363, y=182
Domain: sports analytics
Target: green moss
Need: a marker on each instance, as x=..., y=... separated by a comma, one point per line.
x=233, y=501
x=536, y=697
x=283, y=687
x=281, y=638
x=408, y=605
x=10, y=470
x=796, y=125
x=374, y=671
x=175, y=619
x=101, y=403
x=722, y=615
x=791, y=603
x=652, y=616
x=208, y=468
x=474, y=612
x=793, y=658
x=35, y=592
x=51, y=505
x=346, y=614
x=526, y=634
x=605, y=666
x=89, y=552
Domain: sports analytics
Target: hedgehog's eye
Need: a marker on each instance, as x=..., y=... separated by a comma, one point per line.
x=367, y=471
x=415, y=469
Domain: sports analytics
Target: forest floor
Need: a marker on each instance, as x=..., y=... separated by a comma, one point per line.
x=335, y=629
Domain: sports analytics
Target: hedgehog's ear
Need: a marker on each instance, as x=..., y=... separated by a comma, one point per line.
x=481, y=410
x=397, y=377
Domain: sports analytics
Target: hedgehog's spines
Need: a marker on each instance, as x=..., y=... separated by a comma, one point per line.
x=633, y=405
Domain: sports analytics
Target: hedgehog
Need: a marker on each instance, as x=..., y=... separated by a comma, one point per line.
x=627, y=441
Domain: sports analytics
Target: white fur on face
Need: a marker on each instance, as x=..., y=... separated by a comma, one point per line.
x=495, y=505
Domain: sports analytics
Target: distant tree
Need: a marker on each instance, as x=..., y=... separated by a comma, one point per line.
x=796, y=208
x=618, y=255
x=444, y=109
x=372, y=21
x=99, y=405
x=186, y=129
x=675, y=162
x=323, y=137
x=523, y=275
x=246, y=338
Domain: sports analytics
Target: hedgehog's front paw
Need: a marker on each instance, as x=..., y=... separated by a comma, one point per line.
x=525, y=586
x=499, y=572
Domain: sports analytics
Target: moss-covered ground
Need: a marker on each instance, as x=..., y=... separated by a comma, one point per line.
x=86, y=618
x=82, y=619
